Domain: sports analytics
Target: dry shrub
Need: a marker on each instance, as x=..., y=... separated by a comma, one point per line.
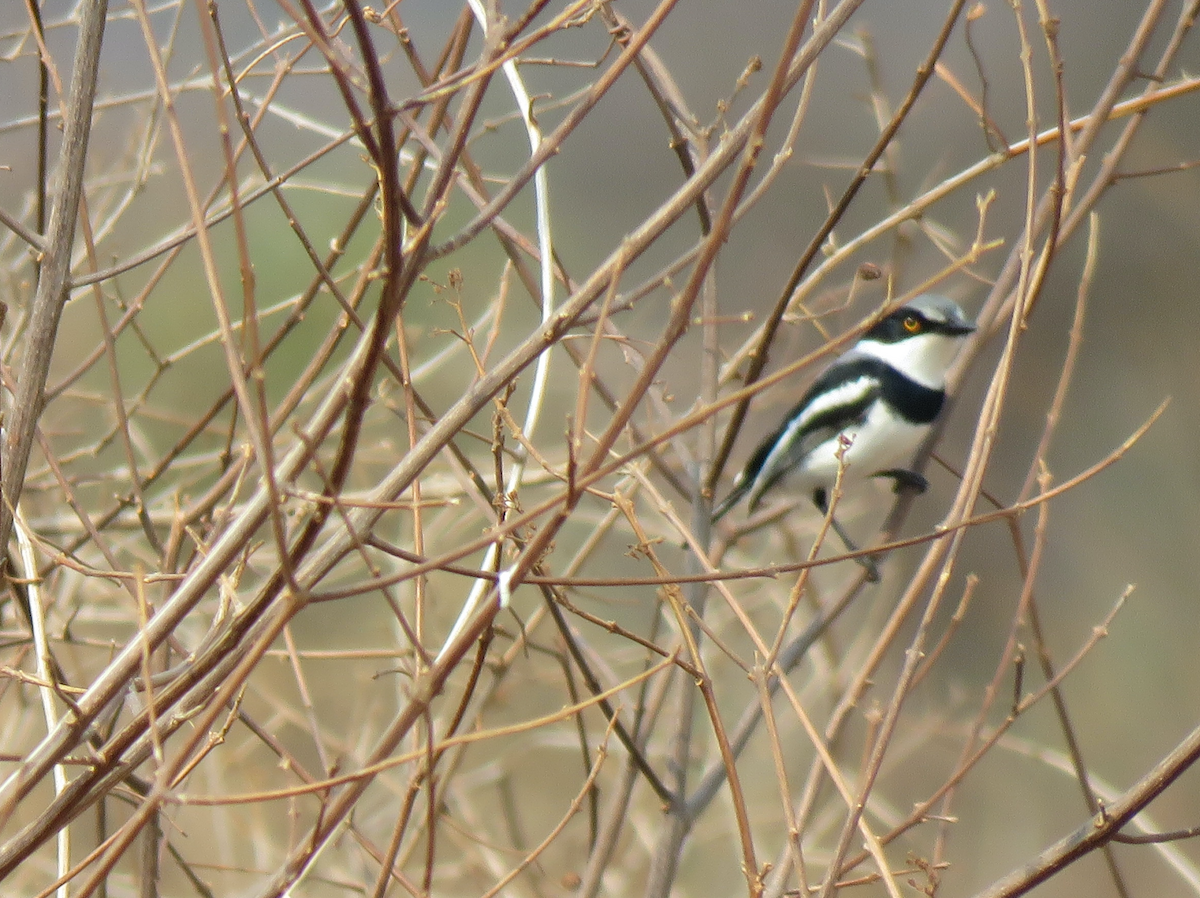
x=371, y=376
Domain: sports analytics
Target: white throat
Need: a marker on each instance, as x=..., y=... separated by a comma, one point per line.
x=924, y=358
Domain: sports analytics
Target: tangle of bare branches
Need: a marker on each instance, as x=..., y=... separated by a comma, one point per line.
x=369, y=374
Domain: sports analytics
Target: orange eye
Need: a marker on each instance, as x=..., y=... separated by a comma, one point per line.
x=912, y=324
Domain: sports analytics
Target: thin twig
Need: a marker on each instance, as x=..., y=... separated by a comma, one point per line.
x=51, y=292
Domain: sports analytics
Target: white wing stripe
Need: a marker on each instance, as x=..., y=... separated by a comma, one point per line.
x=842, y=396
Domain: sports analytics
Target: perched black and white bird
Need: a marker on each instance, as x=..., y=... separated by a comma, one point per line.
x=879, y=400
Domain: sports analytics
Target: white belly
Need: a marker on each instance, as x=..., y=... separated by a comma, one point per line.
x=882, y=442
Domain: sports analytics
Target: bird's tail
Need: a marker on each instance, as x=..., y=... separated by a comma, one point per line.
x=739, y=490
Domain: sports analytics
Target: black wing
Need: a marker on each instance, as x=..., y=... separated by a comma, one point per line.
x=838, y=399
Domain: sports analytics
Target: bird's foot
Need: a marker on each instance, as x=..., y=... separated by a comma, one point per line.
x=905, y=479
x=868, y=562
x=870, y=568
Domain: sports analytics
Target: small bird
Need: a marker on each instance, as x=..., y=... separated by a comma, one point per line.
x=879, y=400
